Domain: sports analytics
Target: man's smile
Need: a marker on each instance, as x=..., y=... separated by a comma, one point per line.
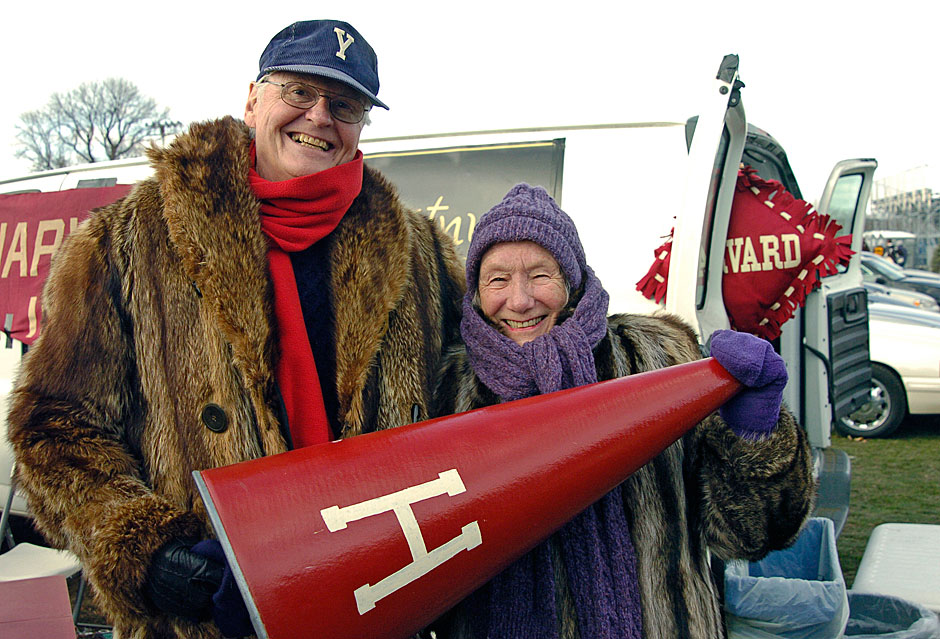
x=306, y=140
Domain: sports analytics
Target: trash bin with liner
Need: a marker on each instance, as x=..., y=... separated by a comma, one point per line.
x=874, y=616
x=795, y=593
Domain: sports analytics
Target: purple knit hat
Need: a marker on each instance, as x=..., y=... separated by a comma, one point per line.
x=528, y=213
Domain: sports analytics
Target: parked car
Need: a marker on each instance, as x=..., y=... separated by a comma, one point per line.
x=883, y=271
x=880, y=294
x=918, y=272
x=905, y=360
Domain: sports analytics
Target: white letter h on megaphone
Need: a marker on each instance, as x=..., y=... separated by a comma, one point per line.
x=400, y=502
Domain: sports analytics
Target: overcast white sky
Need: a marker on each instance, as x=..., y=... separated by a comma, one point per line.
x=830, y=80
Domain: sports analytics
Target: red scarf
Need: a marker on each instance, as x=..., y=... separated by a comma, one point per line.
x=295, y=214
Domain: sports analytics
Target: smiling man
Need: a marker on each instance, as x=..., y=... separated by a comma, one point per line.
x=265, y=290
x=301, y=125
x=317, y=83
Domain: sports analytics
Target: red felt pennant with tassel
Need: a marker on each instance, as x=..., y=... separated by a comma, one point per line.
x=653, y=284
x=777, y=249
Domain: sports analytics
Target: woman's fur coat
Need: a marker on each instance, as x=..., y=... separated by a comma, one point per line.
x=709, y=490
x=160, y=306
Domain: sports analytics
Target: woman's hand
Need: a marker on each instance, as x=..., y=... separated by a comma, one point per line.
x=754, y=411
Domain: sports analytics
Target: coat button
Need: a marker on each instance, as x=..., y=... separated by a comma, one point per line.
x=214, y=417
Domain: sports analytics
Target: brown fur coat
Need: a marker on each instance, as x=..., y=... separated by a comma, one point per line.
x=158, y=307
x=709, y=490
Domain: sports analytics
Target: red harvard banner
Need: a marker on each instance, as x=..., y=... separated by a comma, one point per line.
x=378, y=535
x=32, y=227
x=778, y=248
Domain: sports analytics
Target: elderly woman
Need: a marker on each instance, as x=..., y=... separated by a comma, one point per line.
x=636, y=563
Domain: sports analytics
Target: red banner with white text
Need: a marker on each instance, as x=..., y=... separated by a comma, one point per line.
x=32, y=227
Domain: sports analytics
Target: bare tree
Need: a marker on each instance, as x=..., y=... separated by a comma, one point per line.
x=94, y=122
x=37, y=136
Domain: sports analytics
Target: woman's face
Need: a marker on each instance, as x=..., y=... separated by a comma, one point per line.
x=522, y=289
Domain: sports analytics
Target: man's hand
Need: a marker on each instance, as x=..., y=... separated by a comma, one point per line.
x=228, y=608
x=754, y=411
x=182, y=582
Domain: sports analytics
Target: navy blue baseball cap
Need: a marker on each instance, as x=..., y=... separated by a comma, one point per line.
x=329, y=48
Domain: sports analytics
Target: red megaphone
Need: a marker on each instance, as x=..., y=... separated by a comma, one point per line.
x=378, y=535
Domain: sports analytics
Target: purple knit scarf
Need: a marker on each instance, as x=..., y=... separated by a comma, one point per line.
x=599, y=558
x=561, y=358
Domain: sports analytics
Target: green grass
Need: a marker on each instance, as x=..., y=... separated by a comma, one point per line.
x=895, y=479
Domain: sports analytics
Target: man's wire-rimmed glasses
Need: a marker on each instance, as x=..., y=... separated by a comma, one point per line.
x=304, y=96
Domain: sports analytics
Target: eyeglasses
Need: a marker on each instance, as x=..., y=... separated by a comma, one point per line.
x=304, y=96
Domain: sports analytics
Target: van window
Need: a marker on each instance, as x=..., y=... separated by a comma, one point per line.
x=766, y=165
x=456, y=185
x=93, y=183
x=844, y=203
x=842, y=208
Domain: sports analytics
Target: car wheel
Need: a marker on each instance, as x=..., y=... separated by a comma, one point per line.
x=884, y=411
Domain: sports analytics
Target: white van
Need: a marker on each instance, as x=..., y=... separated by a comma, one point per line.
x=626, y=186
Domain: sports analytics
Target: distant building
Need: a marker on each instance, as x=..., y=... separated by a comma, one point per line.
x=905, y=194
x=905, y=202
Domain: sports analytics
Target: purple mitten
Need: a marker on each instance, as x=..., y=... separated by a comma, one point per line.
x=754, y=411
x=228, y=609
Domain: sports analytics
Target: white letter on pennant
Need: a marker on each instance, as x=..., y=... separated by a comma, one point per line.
x=400, y=502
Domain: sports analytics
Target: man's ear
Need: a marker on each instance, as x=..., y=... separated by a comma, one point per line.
x=252, y=104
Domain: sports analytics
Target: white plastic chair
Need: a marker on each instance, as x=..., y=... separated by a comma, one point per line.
x=27, y=561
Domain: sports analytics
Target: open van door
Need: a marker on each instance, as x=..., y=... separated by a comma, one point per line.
x=698, y=242
x=834, y=321
x=825, y=343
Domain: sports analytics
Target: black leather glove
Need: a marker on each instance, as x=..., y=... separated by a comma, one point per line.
x=181, y=582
